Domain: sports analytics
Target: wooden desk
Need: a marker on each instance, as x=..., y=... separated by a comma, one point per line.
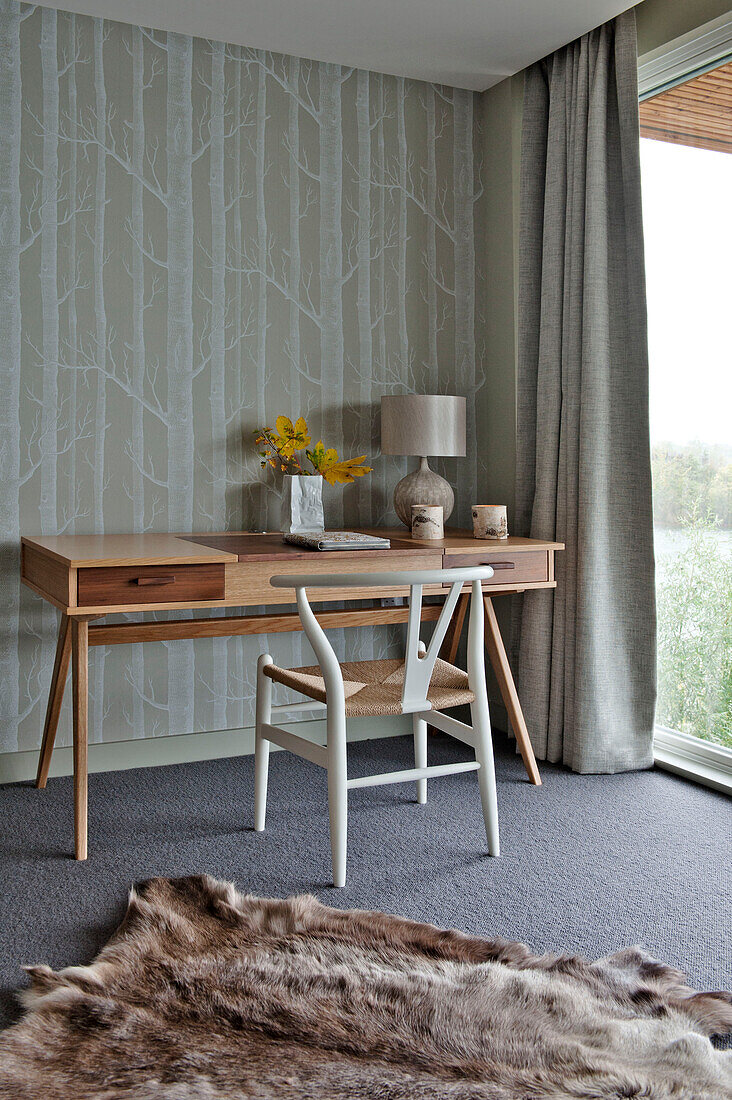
x=90, y=576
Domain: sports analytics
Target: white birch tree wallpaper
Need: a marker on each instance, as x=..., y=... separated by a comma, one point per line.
x=194, y=238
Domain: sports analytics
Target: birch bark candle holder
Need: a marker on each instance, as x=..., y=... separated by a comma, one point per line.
x=427, y=521
x=490, y=521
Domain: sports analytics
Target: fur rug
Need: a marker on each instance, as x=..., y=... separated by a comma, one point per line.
x=205, y=993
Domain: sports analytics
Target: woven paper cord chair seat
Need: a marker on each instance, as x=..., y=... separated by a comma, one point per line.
x=375, y=687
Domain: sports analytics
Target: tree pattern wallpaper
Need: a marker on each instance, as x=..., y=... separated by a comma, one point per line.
x=194, y=238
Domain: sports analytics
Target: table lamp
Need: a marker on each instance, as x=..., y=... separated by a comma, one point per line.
x=422, y=425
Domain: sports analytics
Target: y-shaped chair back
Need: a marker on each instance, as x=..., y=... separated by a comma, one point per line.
x=418, y=663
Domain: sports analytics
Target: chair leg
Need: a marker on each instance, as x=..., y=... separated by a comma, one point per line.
x=337, y=793
x=420, y=754
x=486, y=773
x=261, y=744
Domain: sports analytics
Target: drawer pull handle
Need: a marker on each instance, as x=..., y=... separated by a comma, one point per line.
x=501, y=564
x=166, y=578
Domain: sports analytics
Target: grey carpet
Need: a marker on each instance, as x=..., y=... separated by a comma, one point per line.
x=590, y=863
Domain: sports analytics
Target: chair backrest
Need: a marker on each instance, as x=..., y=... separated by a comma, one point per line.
x=418, y=663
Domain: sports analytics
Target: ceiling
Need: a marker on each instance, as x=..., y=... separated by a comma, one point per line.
x=697, y=112
x=465, y=43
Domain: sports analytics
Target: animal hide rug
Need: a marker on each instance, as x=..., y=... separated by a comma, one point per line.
x=204, y=993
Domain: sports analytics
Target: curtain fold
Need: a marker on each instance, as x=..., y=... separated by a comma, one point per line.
x=585, y=653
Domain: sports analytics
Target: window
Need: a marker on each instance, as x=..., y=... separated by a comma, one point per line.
x=686, y=163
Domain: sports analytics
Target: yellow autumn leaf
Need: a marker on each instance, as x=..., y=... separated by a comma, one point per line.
x=332, y=469
x=346, y=471
x=317, y=456
x=291, y=437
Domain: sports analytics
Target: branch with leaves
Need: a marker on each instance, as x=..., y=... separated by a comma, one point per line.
x=282, y=444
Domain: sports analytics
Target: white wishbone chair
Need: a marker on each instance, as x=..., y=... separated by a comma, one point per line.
x=421, y=685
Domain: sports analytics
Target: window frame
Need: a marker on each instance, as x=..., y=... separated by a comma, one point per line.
x=677, y=61
x=674, y=63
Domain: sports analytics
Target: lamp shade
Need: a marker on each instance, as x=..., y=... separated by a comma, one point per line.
x=422, y=424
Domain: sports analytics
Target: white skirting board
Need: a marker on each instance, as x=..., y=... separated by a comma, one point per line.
x=109, y=756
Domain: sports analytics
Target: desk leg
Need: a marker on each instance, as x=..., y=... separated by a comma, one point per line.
x=450, y=645
x=499, y=661
x=80, y=661
x=55, y=699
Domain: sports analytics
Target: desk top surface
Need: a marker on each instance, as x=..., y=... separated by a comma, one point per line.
x=79, y=551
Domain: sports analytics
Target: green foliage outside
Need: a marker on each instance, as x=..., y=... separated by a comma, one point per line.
x=693, y=493
x=692, y=478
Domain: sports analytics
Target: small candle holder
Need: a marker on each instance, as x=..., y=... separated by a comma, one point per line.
x=490, y=521
x=427, y=521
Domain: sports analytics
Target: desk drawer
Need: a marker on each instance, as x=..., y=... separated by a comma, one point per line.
x=114, y=585
x=511, y=569
x=248, y=582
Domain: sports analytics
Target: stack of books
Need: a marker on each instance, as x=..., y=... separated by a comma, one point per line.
x=337, y=540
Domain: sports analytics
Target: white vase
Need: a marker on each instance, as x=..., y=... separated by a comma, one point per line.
x=302, y=504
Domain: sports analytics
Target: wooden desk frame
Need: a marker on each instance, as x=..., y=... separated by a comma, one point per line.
x=239, y=567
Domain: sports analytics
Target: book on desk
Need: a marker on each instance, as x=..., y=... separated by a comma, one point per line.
x=337, y=540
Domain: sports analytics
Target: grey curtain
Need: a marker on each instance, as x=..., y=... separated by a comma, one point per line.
x=585, y=652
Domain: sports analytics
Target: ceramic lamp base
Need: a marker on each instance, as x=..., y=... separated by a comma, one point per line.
x=423, y=486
